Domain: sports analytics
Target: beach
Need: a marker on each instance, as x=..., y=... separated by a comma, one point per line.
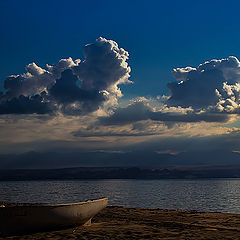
x=138, y=223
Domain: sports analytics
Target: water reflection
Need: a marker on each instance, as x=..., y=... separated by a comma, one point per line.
x=203, y=195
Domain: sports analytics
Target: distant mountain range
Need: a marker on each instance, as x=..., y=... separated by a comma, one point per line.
x=138, y=157
x=186, y=172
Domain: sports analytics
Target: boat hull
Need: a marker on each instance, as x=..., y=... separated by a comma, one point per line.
x=32, y=218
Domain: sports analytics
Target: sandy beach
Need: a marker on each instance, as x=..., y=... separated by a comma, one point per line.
x=137, y=223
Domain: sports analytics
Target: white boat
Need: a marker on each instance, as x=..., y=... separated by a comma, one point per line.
x=43, y=217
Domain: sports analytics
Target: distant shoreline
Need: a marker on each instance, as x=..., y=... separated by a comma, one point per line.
x=144, y=173
x=110, y=179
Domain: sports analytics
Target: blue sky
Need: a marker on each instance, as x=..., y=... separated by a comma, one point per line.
x=159, y=37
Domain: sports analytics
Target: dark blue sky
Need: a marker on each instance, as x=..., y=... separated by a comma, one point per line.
x=159, y=35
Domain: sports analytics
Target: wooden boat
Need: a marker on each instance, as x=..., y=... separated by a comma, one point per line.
x=22, y=218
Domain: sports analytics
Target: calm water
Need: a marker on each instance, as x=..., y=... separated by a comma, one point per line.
x=221, y=195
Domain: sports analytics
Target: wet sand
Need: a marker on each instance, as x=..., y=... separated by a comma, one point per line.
x=137, y=223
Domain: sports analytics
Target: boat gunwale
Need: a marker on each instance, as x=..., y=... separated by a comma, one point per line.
x=31, y=205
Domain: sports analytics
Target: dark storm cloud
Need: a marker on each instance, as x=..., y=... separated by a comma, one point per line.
x=190, y=117
x=73, y=87
x=26, y=105
x=139, y=111
x=135, y=112
x=198, y=91
x=72, y=99
x=204, y=86
x=35, y=80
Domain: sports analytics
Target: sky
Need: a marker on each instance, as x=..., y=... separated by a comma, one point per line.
x=119, y=83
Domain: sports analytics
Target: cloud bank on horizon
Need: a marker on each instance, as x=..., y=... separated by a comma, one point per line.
x=84, y=94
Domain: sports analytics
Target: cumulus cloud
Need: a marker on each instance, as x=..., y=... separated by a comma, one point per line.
x=74, y=100
x=36, y=79
x=229, y=98
x=26, y=105
x=104, y=65
x=70, y=86
x=137, y=111
x=205, y=85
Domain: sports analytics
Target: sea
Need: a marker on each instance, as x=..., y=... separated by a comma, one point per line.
x=212, y=195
